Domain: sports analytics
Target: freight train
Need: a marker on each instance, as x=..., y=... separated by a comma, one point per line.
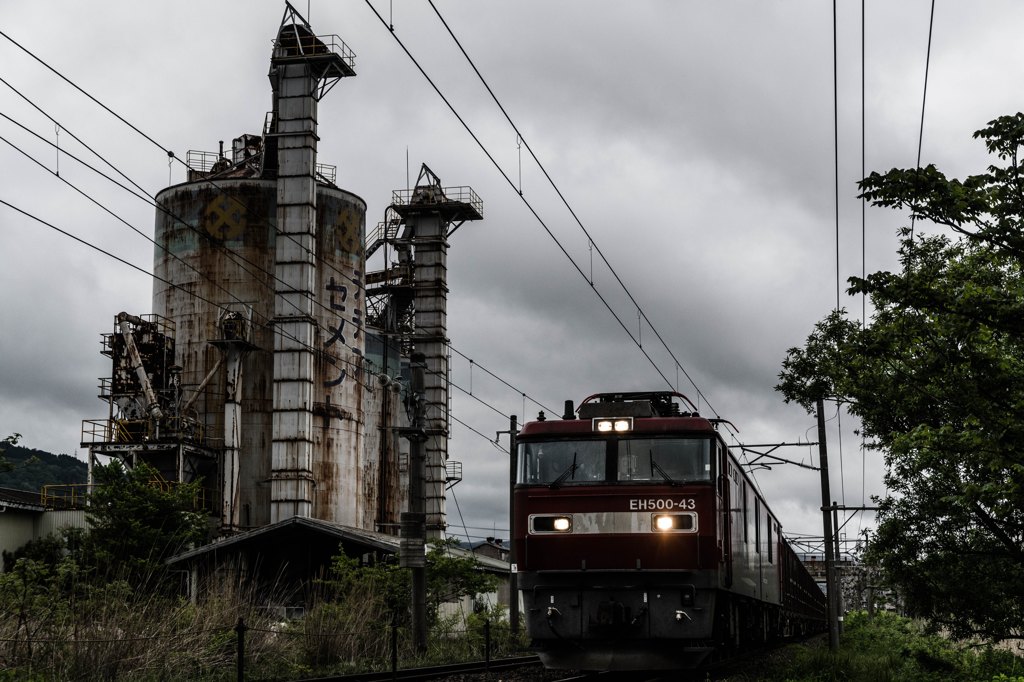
x=642, y=544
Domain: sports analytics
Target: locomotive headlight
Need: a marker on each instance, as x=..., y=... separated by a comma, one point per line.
x=551, y=524
x=620, y=425
x=665, y=523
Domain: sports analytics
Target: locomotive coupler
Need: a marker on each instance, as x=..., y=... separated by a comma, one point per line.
x=553, y=612
x=680, y=615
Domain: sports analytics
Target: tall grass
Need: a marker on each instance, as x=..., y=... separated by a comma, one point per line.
x=890, y=648
x=54, y=626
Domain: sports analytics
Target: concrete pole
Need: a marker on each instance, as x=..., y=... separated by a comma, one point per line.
x=826, y=520
x=513, y=576
x=412, y=553
x=838, y=564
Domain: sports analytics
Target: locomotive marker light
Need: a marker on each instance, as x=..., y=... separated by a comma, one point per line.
x=619, y=425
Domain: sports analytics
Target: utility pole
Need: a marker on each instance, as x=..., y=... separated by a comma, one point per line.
x=838, y=563
x=513, y=576
x=826, y=519
x=412, y=554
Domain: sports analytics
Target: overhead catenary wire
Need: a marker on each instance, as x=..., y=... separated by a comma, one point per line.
x=835, y=129
x=233, y=256
x=133, y=127
x=218, y=306
x=592, y=244
x=503, y=381
x=202, y=275
x=863, y=226
x=145, y=196
x=142, y=270
x=526, y=202
x=924, y=101
x=73, y=135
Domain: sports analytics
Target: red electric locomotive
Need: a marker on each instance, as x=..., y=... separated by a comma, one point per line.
x=642, y=544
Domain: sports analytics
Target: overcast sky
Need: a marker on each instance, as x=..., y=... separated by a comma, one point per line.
x=694, y=140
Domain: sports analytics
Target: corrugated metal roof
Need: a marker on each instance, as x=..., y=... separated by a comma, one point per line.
x=370, y=539
x=21, y=499
x=373, y=540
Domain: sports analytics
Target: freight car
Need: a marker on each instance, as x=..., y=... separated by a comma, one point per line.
x=642, y=544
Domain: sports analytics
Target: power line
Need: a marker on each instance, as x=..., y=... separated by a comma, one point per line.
x=169, y=153
x=522, y=198
x=572, y=212
x=265, y=323
x=73, y=136
x=473, y=363
x=863, y=223
x=75, y=86
x=835, y=130
x=231, y=254
x=151, y=201
x=924, y=100
x=150, y=274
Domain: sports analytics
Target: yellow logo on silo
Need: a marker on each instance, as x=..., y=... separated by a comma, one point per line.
x=224, y=219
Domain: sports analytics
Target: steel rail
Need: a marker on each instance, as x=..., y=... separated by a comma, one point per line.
x=433, y=672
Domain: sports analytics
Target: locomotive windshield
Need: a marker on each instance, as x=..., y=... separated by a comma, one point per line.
x=560, y=462
x=626, y=460
x=673, y=460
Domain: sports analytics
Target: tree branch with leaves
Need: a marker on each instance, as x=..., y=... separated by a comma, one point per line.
x=937, y=380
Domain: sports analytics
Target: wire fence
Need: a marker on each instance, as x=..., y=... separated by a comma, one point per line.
x=262, y=651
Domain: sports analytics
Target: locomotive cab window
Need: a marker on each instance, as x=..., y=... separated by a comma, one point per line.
x=664, y=460
x=567, y=462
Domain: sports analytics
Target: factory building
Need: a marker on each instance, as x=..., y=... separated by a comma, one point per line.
x=268, y=368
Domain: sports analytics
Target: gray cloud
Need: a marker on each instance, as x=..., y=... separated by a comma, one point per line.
x=693, y=140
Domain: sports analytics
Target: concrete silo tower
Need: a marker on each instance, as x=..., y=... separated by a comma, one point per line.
x=259, y=265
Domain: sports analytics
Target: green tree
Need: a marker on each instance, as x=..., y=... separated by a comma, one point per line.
x=937, y=380
x=450, y=577
x=8, y=441
x=137, y=520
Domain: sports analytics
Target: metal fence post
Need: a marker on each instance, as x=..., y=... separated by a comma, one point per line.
x=240, y=631
x=394, y=647
x=487, y=644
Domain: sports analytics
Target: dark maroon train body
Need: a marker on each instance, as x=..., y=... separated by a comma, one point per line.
x=642, y=544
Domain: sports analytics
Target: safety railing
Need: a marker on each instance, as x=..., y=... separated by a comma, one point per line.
x=440, y=196
x=301, y=45
x=65, y=495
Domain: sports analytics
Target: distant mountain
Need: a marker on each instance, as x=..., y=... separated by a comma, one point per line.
x=32, y=469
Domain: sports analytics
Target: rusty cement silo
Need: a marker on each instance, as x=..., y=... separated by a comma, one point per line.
x=259, y=263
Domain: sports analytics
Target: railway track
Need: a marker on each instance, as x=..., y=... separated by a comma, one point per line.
x=529, y=669
x=449, y=671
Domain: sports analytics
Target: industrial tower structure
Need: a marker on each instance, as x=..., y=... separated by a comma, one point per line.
x=259, y=291
x=414, y=292
x=269, y=370
x=302, y=70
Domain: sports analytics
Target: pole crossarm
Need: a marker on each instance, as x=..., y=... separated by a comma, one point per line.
x=772, y=447
x=841, y=507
